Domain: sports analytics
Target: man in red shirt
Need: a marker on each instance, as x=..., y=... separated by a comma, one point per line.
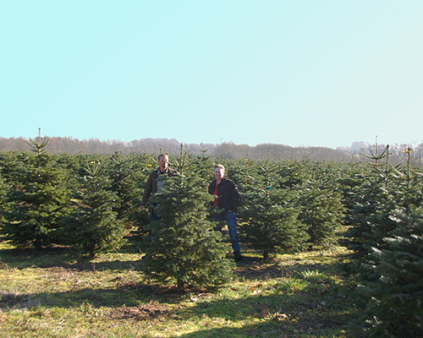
x=227, y=197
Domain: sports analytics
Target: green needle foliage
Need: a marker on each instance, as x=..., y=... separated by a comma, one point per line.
x=270, y=214
x=4, y=187
x=396, y=305
x=373, y=219
x=351, y=179
x=39, y=203
x=124, y=175
x=183, y=245
x=93, y=225
x=322, y=211
x=10, y=164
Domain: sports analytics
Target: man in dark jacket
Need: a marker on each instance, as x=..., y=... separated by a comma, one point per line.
x=227, y=197
x=154, y=186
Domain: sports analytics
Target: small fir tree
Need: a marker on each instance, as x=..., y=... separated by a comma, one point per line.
x=93, y=225
x=140, y=219
x=38, y=204
x=351, y=178
x=322, y=211
x=124, y=175
x=270, y=215
x=183, y=245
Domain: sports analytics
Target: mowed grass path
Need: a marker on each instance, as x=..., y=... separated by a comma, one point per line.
x=49, y=293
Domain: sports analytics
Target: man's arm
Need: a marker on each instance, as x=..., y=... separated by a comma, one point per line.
x=147, y=190
x=211, y=188
x=235, y=196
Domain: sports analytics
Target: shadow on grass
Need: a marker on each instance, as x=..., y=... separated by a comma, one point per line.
x=291, y=308
x=296, y=307
x=127, y=294
x=64, y=257
x=253, y=268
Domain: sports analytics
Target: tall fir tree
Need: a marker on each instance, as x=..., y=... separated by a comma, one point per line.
x=183, y=245
x=93, y=225
x=373, y=215
x=39, y=202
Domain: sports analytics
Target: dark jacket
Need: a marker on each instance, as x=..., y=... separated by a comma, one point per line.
x=151, y=186
x=229, y=197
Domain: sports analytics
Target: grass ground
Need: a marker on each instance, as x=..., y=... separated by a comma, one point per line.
x=49, y=293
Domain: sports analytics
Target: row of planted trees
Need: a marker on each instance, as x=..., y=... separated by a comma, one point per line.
x=58, y=199
x=93, y=201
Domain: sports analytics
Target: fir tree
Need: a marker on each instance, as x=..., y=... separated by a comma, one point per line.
x=93, y=225
x=396, y=306
x=271, y=215
x=124, y=175
x=351, y=178
x=140, y=219
x=322, y=211
x=39, y=202
x=292, y=174
x=373, y=215
x=183, y=245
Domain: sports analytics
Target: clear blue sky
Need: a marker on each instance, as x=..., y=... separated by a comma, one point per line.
x=299, y=73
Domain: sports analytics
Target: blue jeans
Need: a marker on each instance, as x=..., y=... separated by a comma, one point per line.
x=154, y=218
x=230, y=218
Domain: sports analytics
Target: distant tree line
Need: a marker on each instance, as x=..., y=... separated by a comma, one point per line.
x=226, y=150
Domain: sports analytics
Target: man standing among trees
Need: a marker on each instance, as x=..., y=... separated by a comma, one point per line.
x=227, y=197
x=155, y=186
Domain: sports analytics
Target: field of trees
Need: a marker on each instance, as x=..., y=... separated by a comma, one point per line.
x=332, y=249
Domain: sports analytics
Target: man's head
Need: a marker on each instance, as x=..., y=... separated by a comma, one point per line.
x=219, y=171
x=163, y=160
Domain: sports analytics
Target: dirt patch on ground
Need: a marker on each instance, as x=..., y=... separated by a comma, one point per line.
x=253, y=269
x=152, y=310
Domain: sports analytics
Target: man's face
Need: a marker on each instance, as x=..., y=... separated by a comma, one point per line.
x=163, y=163
x=219, y=173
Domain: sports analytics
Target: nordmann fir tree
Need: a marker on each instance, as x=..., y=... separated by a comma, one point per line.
x=396, y=303
x=292, y=174
x=39, y=204
x=351, y=178
x=183, y=245
x=270, y=214
x=124, y=174
x=396, y=300
x=321, y=209
x=93, y=225
x=139, y=218
x=373, y=215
